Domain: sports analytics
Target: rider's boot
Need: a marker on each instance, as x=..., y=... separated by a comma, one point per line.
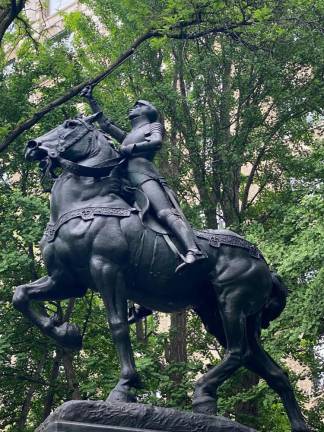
x=173, y=219
x=192, y=256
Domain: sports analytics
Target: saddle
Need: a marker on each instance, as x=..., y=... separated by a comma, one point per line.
x=216, y=238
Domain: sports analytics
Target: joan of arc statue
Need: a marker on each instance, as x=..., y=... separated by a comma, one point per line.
x=140, y=146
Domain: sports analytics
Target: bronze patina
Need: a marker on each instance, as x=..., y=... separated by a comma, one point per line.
x=98, y=238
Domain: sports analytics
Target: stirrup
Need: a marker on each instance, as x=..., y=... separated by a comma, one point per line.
x=191, y=259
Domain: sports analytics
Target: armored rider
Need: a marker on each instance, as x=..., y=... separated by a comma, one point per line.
x=140, y=146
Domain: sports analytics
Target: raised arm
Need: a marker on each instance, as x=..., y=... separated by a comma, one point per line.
x=105, y=123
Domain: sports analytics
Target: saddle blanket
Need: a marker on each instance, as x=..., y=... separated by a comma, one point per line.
x=217, y=239
x=86, y=213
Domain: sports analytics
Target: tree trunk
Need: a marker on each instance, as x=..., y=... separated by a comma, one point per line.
x=21, y=423
x=177, y=352
x=49, y=398
x=176, y=356
x=197, y=162
x=246, y=410
x=231, y=167
x=230, y=198
x=140, y=331
x=73, y=385
x=66, y=357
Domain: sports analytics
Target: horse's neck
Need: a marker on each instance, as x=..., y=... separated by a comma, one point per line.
x=71, y=192
x=102, y=151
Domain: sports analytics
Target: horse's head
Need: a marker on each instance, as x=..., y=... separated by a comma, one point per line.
x=71, y=140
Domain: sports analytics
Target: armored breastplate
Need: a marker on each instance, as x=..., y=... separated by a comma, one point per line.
x=138, y=134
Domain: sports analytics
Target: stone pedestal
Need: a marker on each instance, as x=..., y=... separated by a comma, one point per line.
x=64, y=426
x=99, y=416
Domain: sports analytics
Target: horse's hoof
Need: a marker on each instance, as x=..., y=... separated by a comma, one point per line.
x=68, y=336
x=205, y=405
x=117, y=396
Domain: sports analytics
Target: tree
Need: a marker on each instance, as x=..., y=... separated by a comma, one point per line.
x=9, y=11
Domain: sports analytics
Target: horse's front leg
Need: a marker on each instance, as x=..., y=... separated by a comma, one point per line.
x=110, y=283
x=47, y=288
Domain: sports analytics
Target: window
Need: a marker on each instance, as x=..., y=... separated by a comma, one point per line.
x=56, y=5
x=11, y=28
x=63, y=38
x=9, y=68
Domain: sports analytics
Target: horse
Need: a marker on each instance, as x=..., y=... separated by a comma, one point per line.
x=97, y=239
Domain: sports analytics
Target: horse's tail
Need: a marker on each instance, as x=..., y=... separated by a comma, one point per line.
x=277, y=301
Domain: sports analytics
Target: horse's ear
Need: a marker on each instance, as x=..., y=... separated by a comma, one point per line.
x=92, y=118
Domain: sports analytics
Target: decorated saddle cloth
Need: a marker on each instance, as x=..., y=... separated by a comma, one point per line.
x=217, y=238
x=86, y=214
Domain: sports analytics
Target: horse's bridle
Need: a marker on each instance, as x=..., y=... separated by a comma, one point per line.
x=63, y=146
x=100, y=170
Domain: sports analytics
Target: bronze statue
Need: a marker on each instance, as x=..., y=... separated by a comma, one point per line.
x=99, y=239
x=140, y=147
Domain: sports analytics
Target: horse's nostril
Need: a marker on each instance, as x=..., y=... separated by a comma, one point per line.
x=32, y=144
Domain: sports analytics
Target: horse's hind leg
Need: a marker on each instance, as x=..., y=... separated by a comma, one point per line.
x=47, y=288
x=210, y=317
x=234, y=324
x=260, y=362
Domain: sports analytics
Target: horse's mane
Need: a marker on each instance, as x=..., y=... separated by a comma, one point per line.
x=119, y=173
x=104, y=138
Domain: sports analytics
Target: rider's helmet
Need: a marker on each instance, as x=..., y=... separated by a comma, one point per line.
x=152, y=113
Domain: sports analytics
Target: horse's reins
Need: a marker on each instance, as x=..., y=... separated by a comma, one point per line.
x=97, y=171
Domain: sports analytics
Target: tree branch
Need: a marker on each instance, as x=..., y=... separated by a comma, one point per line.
x=260, y=189
x=251, y=178
x=27, y=124
x=28, y=31
x=69, y=310
x=7, y=15
x=86, y=321
x=226, y=29
x=23, y=126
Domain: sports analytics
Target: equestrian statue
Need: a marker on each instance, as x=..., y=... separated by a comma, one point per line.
x=117, y=228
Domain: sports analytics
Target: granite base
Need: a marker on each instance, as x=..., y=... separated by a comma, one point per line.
x=99, y=416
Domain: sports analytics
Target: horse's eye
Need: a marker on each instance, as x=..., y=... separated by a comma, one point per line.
x=70, y=124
